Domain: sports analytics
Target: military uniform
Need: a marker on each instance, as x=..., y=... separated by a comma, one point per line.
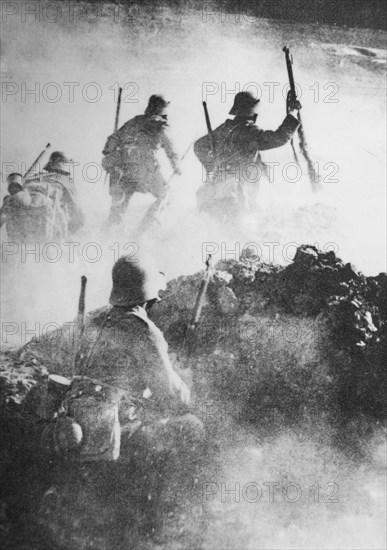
x=236, y=167
x=124, y=348
x=27, y=212
x=13, y=215
x=124, y=423
x=61, y=190
x=131, y=157
x=125, y=381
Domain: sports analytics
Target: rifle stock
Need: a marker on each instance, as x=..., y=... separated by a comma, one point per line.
x=292, y=95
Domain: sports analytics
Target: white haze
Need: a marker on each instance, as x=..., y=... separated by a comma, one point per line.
x=174, y=55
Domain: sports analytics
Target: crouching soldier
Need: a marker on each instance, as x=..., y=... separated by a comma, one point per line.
x=128, y=407
x=124, y=349
x=232, y=160
x=131, y=158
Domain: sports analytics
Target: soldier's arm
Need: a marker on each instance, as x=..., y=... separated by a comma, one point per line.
x=2, y=216
x=164, y=382
x=167, y=145
x=270, y=139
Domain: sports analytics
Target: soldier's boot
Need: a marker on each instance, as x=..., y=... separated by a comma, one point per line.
x=120, y=201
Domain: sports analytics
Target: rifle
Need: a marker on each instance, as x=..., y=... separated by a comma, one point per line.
x=118, y=110
x=116, y=121
x=36, y=160
x=209, y=129
x=191, y=327
x=292, y=95
x=80, y=323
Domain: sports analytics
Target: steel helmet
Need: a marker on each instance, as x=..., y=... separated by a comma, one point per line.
x=135, y=281
x=57, y=162
x=15, y=179
x=244, y=104
x=156, y=105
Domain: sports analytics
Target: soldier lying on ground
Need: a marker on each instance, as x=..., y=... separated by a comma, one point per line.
x=231, y=156
x=131, y=161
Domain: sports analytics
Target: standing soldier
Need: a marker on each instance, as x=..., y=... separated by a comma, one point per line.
x=62, y=191
x=131, y=161
x=231, y=156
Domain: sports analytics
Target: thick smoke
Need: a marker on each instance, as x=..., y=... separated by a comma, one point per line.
x=177, y=53
x=184, y=55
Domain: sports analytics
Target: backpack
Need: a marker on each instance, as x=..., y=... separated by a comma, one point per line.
x=87, y=426
x=42, y=221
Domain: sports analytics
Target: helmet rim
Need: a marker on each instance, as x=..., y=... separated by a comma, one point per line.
x=244, y=104
x=135, y=282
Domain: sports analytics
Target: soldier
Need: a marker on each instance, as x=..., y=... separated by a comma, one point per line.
x=62, y=192
x=14, y=208
x=127, y=408
x=41, y=220
x=231, y=156
x=131, y=161
x=125, y=349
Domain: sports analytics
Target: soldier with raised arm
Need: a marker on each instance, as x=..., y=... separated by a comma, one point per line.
x=231, y=156
x=131, y=160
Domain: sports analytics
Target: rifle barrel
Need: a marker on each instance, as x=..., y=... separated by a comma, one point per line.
x=289, y=67
x=118, y=109
x=209, y=128
x=80, y=322
x=201, y=294
x=313, y=176
x=37, y=160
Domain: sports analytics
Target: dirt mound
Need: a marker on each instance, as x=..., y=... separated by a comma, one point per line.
x=275, y=347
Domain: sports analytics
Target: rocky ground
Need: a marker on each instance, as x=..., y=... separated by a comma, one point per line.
x=287, y=369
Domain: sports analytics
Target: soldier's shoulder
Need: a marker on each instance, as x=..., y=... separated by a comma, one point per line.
x=224, y=128
x=136, y=120
x=22, y=198
x=114, y=318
